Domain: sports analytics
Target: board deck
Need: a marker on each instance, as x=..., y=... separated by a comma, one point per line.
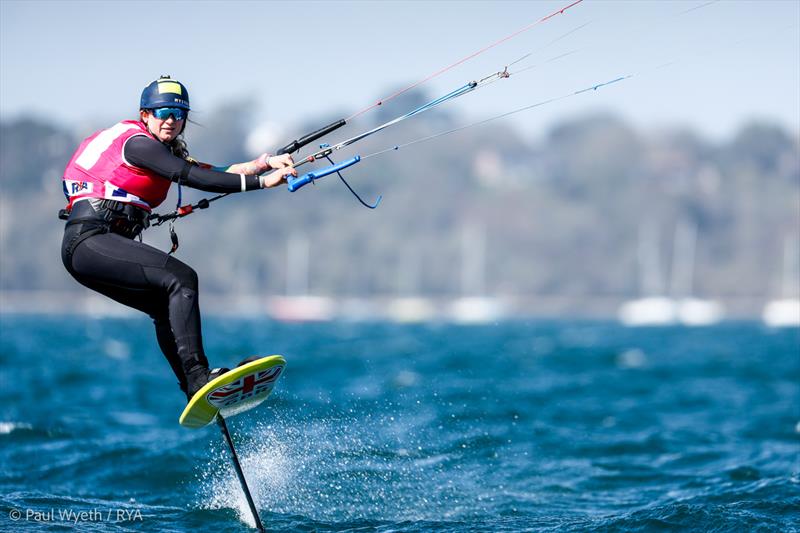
x=233, y=392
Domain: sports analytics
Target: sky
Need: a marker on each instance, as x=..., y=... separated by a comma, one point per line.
x=710, y=66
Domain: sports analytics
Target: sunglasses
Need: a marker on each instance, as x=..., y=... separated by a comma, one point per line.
x=163, y=113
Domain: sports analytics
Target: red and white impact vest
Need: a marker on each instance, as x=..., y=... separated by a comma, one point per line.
x=98, y=170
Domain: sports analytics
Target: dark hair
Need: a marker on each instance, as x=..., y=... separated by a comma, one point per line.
x=178, y=147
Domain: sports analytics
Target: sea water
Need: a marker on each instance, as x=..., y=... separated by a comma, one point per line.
x=525, y=426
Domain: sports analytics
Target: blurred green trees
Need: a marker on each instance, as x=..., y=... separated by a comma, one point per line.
x=561, y=216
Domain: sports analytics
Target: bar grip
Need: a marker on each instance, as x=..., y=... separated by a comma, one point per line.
x=305, y=179
x=311, y=137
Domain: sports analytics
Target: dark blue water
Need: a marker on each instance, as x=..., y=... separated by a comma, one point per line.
x=547, y=426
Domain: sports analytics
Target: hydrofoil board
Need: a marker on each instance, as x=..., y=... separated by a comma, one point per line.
x=234, y=392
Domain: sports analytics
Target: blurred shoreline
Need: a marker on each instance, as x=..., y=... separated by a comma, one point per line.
x=597, y=220
x=379, y=308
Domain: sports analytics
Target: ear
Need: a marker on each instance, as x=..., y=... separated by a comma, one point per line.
x=142, y=114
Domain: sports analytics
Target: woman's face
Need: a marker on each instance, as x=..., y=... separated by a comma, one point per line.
x=164, y=130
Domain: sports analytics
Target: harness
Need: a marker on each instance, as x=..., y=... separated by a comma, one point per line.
x=104, y=216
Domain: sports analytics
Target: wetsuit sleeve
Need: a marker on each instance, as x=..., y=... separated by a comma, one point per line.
x=144, y=152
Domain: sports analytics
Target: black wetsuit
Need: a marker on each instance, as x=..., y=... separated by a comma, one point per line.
x=100, y=252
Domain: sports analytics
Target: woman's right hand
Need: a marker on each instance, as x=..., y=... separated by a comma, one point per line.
x=273, y=179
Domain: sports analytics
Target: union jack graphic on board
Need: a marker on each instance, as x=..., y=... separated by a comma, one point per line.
x=245, y=387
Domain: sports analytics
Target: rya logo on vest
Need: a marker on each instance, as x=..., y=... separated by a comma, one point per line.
x=73, y=187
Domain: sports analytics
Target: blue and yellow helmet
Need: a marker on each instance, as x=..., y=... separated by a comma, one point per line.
x=165, y=92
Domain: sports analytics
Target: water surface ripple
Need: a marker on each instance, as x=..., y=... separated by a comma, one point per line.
x=539, y=426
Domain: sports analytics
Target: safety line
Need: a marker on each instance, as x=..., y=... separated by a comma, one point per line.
x=594, y=47
x=497, y=117
x=562, y=97
x=469, y=87
x=554, y=41
x=463, y=60
x=698, y=7
x=464, y=89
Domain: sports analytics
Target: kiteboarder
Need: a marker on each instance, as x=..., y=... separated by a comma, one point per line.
x=112, y=183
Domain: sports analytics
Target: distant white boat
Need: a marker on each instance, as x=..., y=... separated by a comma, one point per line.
x=301, y=308
x=474, y=307
x=680, y=306
x=785, y=312
x=357, y=310
x=298, y=305
x=655, y=309
x=409, y=306
x=411, y=309
x=689, y=309
x=698, y=312
x=782, y=313
x=475, y=310
x=651, y=311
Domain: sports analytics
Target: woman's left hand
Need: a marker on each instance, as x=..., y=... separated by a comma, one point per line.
x=278, y=161
x=266, y=162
